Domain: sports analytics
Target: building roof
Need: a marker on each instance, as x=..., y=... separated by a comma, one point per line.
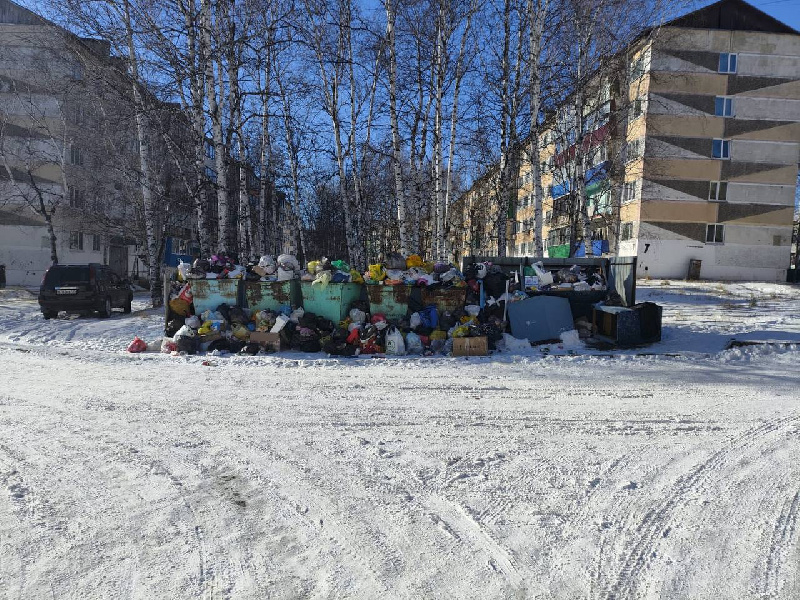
x=732, y=15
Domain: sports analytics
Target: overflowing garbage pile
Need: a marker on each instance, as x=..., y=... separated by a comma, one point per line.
x=267, y=268
x=396, y=270
x=492, y=306
x=575, y=278
x=324, y=271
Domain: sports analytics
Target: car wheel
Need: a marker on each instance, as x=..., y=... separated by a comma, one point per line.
x=49, y=314
x=105, y=312
x=127, y=308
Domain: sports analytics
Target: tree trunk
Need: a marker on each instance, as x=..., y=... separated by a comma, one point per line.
x=142, y=134
x=402, y=212
x=215, y=114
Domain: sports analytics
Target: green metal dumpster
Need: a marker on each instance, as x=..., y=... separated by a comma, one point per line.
x=390, y=300
x=332, y=301
x=271, y=295
x=445, y=299
x=208, y=294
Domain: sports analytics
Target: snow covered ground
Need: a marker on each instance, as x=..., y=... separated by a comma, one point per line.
x=667, y=472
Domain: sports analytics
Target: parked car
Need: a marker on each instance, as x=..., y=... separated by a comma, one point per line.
x=92, y=287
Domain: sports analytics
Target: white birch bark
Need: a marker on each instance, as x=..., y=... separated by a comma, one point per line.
x=397, y=158
x=143, y=136
x=215, y=115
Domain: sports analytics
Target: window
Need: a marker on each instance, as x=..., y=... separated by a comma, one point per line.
x=717, y=191
x=75, y=155
x=727, y=63
x=96, y=242
x=629, y=192
x=76, y=114
x=76, y=198
x=721, y=149
x=75, y=240
x=211, y=174
x=715, y=233
x=723, y=106
x=210, y=150
x=635, y=149
x=626, y=232
x=637, y=109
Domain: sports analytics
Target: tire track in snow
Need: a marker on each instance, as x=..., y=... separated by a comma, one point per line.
x=129, y=455
x=319, y=513
x=655, y=524
x=783, y=536
x=456, y=519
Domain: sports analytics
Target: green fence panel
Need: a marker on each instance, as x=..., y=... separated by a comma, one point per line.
x=332, y=301
x=271, y=295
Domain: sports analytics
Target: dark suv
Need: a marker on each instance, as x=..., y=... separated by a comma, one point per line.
x=83, y=288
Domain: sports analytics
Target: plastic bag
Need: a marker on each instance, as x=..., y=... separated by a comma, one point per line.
x=415, y=320
x=137, y=345
x=179, y=307
x=184, y=331
x=193, y=322
x=186, y=293
x=377, y=272
x=395, y=345
x=183, y=270
x=429, y=316
x=340, y=265
x=413, y=344
x=322, y=279
x=415, y=260
x=357, y=316
x=280, y=323
x=355, y=276
x=288, y=262
x=545, y=277
x=285, y=274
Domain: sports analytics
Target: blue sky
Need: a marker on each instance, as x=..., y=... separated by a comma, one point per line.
x=787, y=11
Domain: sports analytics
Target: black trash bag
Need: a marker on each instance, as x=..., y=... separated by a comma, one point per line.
x=221, y=345
x=173, y=325
x=339, y=336
x=447, y=320
x=395, y=261
x=493, y=332
x=308, y=320
x=310, y=345
x=613, y=299
x=187, y=343
x=236, y=346
x=225, y=311
x=494, y=284
x=252, y=349
x=237, y=315
x=324, y=326
x=470, y=272
x=250, y=276
x=339, y=349
x=361, y=305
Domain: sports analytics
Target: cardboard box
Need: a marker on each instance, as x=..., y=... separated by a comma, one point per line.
x=271, y=342
x=471, y=346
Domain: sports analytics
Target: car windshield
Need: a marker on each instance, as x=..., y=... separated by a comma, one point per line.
x=66, y=276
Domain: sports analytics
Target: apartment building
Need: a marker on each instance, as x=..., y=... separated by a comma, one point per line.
x=69, y=155
x=691, y=149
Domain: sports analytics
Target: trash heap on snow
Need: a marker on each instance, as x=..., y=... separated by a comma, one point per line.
x=401, y=306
